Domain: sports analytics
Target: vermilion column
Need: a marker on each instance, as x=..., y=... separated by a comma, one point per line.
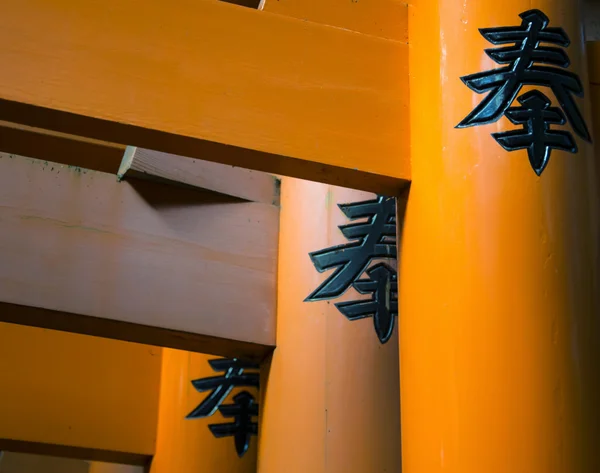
x=187, y=445
x=330, y=400
x=499, y=273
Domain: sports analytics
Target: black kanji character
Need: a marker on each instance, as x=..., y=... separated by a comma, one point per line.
x=383, y=305
x=234, y=376
x=504, y=84
x=242, y=428
x=536, y=116
x=374, y=238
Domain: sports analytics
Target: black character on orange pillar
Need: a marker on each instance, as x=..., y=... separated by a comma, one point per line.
x=536, y=115
x=235, y=374
x=382, y=285
x=535, y=56
x=243, y=409
x=370, y=239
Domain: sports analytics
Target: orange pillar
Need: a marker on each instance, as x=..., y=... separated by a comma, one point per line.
x=499, y=270
x=330, y=400
x=187, y=445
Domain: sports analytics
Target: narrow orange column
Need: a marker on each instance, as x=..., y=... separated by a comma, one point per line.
x=330, y=395
x=187, y=445
x=499, y=270
x=330, y=400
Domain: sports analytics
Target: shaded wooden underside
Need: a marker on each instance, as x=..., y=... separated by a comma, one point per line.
x=138, y=260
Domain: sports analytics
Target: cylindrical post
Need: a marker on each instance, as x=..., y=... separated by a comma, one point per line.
x=331, y=395
x=187, y=445
x=499, y=270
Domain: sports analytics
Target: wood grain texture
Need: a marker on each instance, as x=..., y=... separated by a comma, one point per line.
x=79, y=242
x=59, y=147
x=382, y=18
x=212, y=81
x=245, y=184
x=71, y=395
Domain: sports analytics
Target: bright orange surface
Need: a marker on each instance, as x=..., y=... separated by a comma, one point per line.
x=78, y=391
x=331, y=399
x=382, y=18
x=187, y=445
x=499, y=271
x=295, y=92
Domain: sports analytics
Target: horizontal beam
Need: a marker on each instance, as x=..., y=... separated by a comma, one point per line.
x=70, y=395
x=60, y=148
x=136, y=260
x=382, y=18
x=245, y=184
x=212, y=81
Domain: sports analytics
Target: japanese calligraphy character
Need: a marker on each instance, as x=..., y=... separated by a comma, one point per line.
x=243, y=427
x=235, y=375
x=536, y=116
x=382, y=285
x=372, y=239
x=528, y=62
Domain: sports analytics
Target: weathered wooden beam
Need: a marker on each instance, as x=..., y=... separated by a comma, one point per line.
x=212, y=81
x=69, y=395
x=245, y=184
x=136, y=261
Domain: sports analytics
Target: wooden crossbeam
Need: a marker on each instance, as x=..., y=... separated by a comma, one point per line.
x=137, y=260
x=212, y=81
x=383, y=18
x=75, y=396
x=245, y=184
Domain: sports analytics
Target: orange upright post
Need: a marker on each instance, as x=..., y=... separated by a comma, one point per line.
x=330, y=400
x=186, y=445
x=499, y=271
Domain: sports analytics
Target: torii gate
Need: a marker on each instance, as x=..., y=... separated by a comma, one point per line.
x=498, y=216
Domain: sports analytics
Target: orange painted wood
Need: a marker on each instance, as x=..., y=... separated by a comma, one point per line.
x=211, y=81
x=249, y=185
x=60, y=147
x=332, y=407
x=65, y=394
x=382, y=18
x=138, y=261
x=499, y=275
x=187, y=445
